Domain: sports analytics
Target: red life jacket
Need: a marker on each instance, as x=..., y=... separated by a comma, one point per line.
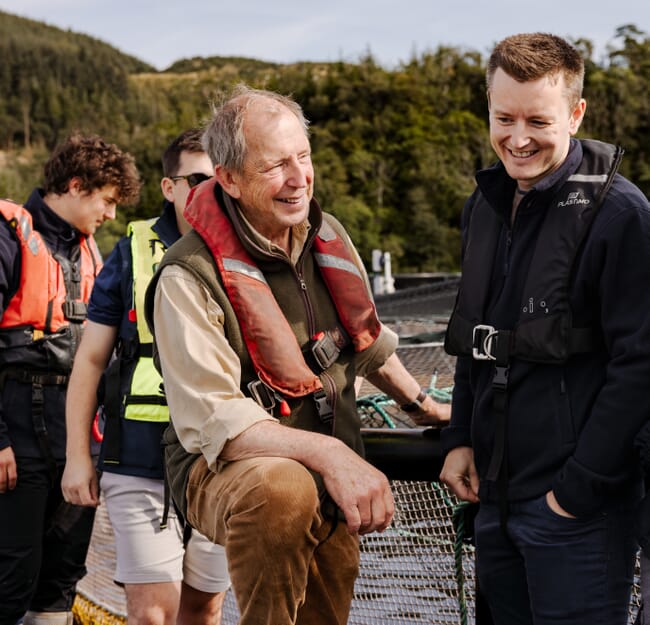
x=40, y=301
x=271, y=342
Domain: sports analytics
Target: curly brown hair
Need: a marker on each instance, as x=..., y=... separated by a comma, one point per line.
x=96, y=164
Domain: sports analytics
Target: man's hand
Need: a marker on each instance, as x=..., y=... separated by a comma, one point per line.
x=358, y=489
x=553, y=504
x=432, y=413
x=79, y=482
x=8, y=471
x=459, y=473
x=361, y=491
x=393, y=379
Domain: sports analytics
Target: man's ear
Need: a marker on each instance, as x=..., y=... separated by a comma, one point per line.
x=577, y=115
x=74, y=187
x=229, y=182
x=167, y=188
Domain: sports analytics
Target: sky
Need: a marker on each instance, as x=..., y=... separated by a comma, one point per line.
x=287, y=31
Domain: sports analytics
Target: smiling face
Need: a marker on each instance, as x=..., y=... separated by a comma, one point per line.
x=531, y=124
x=276, y=184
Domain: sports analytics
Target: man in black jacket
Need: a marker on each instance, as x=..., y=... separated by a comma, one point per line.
x=48, y=264
x=552, y=333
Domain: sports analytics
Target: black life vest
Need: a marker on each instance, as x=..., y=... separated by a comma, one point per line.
x=544, y=332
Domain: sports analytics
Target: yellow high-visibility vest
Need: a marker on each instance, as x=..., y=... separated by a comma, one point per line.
x=145, y=401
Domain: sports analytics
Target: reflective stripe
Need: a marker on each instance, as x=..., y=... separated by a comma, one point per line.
x=231, y=264
x=334, y=262
x=587, y=178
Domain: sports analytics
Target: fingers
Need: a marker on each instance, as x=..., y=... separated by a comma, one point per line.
x=372, y=512
x=81, y=496
x=80, y=490
x=432, y=413
x=459, y=474
x=8, y=470
x=383, y=509
x=361, y=491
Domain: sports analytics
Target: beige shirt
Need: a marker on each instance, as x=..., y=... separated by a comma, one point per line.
x=202, y=372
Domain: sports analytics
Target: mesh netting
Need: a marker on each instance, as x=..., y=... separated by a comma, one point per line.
x=418, y=571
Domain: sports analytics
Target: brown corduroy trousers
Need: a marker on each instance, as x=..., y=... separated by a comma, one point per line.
x=288, y=565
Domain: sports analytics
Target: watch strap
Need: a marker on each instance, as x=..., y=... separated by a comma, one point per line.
x=416, y=404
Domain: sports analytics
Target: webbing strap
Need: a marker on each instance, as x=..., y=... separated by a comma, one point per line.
x=30, y=377
x=112, y=408
x=38, y=421
x=498, y=468
x=167, y=495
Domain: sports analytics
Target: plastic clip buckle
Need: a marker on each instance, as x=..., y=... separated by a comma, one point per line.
x=325, y=350
x=500, y=380
x=323, y=406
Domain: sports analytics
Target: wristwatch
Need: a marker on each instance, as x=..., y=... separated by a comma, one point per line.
x=416, y=404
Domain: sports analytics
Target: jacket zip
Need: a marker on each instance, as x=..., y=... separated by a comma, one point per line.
x=326, y=379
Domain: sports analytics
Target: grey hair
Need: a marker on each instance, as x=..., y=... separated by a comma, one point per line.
x=223, y=138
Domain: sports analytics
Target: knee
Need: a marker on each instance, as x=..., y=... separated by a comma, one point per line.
x=282, y=493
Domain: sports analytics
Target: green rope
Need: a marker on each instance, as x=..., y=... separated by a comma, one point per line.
x=376, y=403
x=458, y=521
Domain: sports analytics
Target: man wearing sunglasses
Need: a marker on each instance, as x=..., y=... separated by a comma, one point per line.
x=169, y=575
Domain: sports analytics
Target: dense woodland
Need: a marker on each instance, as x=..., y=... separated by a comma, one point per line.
x=395, y=150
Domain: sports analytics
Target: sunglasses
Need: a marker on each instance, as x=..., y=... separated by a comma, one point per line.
x=192, y=179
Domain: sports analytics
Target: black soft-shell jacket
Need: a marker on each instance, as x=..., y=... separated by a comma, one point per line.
x=570, y=427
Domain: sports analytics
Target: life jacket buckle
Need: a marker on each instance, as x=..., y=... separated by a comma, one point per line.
x=483, y=340
x=324, y=349
x=75, y=310
x=500, y=380
x=262, y=394
x=323, y=406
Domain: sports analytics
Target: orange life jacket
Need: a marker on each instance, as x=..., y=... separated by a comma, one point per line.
x=42, y=301
x=271, y=342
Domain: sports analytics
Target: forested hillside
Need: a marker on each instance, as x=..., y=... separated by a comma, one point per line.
x=395, y=150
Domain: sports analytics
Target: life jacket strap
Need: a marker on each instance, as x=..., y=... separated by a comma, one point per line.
x=268, y=398
x=323, y=406
x=31, y=377
x=38, y=421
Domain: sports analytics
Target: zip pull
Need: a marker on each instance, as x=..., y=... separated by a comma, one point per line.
x=133, y=316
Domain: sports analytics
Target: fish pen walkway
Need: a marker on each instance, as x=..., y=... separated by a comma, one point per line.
x=421, y=569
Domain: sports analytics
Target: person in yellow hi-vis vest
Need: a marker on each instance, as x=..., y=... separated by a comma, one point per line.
x=170, y=575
